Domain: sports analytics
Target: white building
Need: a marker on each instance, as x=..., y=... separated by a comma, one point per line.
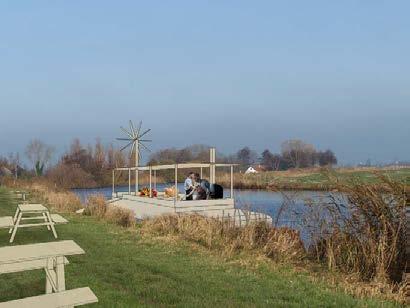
x=250, y=170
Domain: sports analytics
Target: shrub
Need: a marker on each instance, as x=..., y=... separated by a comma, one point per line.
x=120, y=216
x=63, y=201
x=96, y=206
x=70, y=176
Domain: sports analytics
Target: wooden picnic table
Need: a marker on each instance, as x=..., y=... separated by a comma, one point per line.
x=49, y=256
x=43, y=218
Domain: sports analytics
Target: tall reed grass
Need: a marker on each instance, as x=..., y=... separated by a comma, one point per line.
x=98, y=207
x=361, y=232
x=280, y=244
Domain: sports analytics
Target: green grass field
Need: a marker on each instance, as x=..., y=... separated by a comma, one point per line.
x=401, y=175
x=125, y=270
x=313, y=179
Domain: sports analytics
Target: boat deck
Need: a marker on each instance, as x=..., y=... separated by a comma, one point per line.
x=224, y=209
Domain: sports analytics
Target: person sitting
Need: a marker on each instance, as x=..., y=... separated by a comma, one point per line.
x=189, y=186
x=201, y=188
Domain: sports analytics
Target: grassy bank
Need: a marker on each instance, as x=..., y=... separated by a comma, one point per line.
x=313, y=179
x=125, y=269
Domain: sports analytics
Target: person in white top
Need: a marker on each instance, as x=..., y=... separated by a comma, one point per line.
x=189, y=186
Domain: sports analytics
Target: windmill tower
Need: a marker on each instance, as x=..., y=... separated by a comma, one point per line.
x=134, y=139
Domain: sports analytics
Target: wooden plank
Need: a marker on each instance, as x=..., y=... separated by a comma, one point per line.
x=205, y=203
x=26, y=266
x=172, y=166
x=76, y=297
x=13, y=254
x=32, y=208
x=58, y=219
x=35, y=224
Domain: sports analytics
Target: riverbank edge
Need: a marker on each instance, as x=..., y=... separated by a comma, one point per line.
x=246, y=262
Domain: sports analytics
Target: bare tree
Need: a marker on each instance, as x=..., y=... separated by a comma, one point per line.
x=326, y=158
x=298, y=153
x=39, y=155
x=14, y=161
x=246, y=156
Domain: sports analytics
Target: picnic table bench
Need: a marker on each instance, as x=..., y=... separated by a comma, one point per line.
x=52, y=258
x=70, y=298
x=20, y=194
x=27, y=210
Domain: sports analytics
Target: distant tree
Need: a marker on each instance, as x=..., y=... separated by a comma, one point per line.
x=79, y=156
x=192, y=153
x=200, y=152
x=39, y=155
x=326, y=158
x=115, y=158
x=246, y=156
x=183, y=156
x=298, y=153
x=14, y=162
x=70, y=176
x=267, y=160
x=279, y=163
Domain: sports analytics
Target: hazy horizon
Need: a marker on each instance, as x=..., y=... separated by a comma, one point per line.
x=226, y=74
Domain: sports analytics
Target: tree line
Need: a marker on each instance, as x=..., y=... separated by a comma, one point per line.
x=91, y=165
x=294, y=154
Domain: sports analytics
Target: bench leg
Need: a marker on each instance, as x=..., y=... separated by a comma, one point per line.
x=14, y=219
x=50, y=276
x=60, y=274
x=46, y=220
x=51, y=224
x=16, y=225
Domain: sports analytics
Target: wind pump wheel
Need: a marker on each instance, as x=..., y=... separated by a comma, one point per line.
x=134, y=139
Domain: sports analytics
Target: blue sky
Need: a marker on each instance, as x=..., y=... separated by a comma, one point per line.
x=225, y=73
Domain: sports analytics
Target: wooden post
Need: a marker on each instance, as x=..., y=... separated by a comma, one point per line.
x=176, y=188
x=155, y=179
x=136, y=166
x=231, y=181
x=113, y=182
x=212, y=165
x=129, y=181
x=150, y=181
x=201, y=174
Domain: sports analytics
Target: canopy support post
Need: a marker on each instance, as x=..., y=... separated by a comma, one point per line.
x=136, y=169
x=150, y=181
x=176, y=188
x=129, y=181
x=212, y=166
x=113, y=182
x=231, y=181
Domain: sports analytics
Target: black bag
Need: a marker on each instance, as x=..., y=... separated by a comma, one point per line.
x=216, y=191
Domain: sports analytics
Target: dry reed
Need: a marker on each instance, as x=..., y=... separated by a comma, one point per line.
x=362, y=233
x=120, y=216
x=63, y=201
x=96, y=206
x=280, y=244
